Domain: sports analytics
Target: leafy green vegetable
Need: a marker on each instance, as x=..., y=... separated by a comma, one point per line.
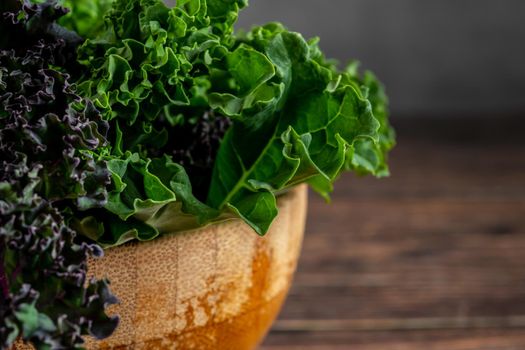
x=157, y=73
x=148, y=75
x=86, y=17
x=306, y=130
x=49, y=169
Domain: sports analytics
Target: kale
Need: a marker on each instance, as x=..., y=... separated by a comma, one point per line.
x=196, y=148
x=278, y=111
x=49, y=170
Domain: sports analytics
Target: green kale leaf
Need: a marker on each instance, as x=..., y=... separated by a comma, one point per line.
x=214, y=125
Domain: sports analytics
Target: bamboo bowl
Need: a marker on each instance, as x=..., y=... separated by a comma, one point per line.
x=219, y=287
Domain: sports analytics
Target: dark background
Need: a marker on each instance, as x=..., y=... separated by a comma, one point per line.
x=445, y=57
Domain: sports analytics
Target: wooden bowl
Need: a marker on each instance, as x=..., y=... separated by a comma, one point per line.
x=218, y=287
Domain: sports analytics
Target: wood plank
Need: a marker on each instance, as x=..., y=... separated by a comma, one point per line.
x=487, y=339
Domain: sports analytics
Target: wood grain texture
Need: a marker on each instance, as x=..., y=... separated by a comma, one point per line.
x=431, y=258
x=219, y=287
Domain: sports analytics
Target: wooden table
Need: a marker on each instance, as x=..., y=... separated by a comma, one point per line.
x=431, y=258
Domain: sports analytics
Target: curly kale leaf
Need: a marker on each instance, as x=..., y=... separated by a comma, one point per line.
x=158, y=72
x=85, y=17
x=39, y=122
x=49, y=170
x=46, y=299
x=148, y=74
x=296, y=119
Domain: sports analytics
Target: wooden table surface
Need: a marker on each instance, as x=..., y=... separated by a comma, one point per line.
x=431, y=258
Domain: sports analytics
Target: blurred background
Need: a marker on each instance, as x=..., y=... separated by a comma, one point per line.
x=435, y=57
x=432, y=257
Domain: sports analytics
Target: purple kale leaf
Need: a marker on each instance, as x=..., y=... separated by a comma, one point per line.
x=50, y=168
x=46, y=298
x=196, y=148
